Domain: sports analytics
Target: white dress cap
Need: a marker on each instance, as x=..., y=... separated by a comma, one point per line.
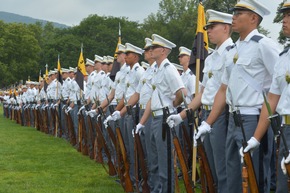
x=98, y=58
x=89, y=62
x=131, y=48
x=218, y=17
x=71, y=69
x=64, y=70
x=285, y=7
x=148, y=43
x=110, y=59
x=145, y=65
x=184, y=51
x=105, y=60
x=178, y=67
x=161, y=41
x=253, y=5
x=121, y=49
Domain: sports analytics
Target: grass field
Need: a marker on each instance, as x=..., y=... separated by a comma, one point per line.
x=31, y=161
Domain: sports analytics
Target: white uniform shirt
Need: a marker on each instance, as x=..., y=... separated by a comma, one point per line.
x=279, y=85
x=165, y=82
x=145, y=86
x=106, y=86
x=188, y=79
x=54, y=90
x=132, y=80
x=66, y=87
x=75, y=92
x=97, y=84
x=89, y=84
x=119, y=84
x=257, y=59
x=212, y=72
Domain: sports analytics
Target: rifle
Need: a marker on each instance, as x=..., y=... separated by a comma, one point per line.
x=91, y=137
x=128, y=187
x=70, y=129
x=27, y=117
x=180, y=155
x=248, y=163
x=112, y=170
x=278, y=131
x=83, y=145
x=139, y=153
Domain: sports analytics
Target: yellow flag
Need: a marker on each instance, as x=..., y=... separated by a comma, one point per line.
x=81, y=64
x=119, y=41
x=201, y=22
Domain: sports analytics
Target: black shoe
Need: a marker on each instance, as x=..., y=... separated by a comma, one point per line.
x=118, y=181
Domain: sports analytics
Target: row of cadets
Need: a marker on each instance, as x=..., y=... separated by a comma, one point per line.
x=132, y=79
x=142, y=95
x=167, y=86
x=219, y=30
x=248, y=71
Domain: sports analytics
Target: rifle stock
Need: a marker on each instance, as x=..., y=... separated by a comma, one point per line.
x=71, y=130
x=211, y=186
x=183, y=164
x=112, y=170
x=251, y=172
x=128, y=187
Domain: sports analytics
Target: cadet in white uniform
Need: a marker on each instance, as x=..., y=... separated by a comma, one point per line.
x=279, y=101
x=167, y=87
x=219, y=30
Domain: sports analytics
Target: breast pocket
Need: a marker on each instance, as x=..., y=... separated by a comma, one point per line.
x=244, y=62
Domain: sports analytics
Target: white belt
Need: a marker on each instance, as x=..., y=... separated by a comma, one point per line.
x=160, y=112
x=207, y=107
x=142, y=106
x=246, y=110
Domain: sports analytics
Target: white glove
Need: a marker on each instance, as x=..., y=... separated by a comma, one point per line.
x=116, y=115
x=283, y=162
x=63, y=107
x=203, y=129
x=194, y=141
x=173, y=120
x=253, y=143
x=36, y=106
x=55, y=106
x=109, y=118
x=92, y=113
x=68, y=110
x=79, y=112
x=139, y=129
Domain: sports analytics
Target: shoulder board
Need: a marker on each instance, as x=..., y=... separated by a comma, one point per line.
x=228, y=48
x=167, y=64
x=102, y=73
x=284, y=51
x=68, y=79
x=256, y=38
x=136, y=68
x=191, y=73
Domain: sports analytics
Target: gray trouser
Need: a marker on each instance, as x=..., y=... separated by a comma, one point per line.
x=74, y=116
x=261, y=156
x=282, y=185
x=214, y=144
x=159, y=164
x=146, y=144
x=63, y=122
x=129, y=143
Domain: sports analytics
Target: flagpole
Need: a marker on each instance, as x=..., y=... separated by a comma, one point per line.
x=58, y=74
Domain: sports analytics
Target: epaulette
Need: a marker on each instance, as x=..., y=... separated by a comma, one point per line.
x=284, y=51
x=191, y=73
x=167, y=64
x=228, y=48
x=256, y=38
x=136, y=68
